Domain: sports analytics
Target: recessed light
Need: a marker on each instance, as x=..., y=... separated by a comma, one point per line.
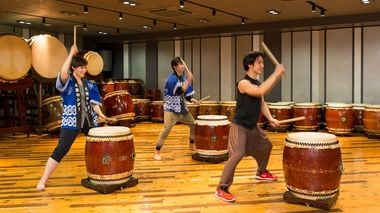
x=274, y=12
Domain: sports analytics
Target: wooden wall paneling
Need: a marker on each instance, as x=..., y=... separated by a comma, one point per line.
x=371, y=57
x=210, y=68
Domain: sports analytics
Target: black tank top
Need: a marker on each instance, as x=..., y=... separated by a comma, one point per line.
x=247, y=107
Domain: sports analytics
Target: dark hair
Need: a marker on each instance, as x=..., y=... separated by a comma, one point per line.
x=176, y=61
x=78, y=61
x=250, y=58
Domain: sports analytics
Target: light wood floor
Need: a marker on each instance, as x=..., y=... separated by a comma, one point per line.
x=176, y=184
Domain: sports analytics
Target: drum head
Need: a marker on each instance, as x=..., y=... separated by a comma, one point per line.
x=311, y=139
x=109, y=131
x=16, y=57
x=95, y=63
x=49, y=54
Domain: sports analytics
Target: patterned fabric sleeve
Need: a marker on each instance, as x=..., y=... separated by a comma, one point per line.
x=94, y=94
x=59, y=85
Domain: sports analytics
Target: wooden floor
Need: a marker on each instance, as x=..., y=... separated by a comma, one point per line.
x=176, y=184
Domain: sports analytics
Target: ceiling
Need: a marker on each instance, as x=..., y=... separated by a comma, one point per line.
x=160, y=16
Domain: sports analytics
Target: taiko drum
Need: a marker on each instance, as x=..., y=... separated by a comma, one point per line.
x=110, y=154
x=358, y=111
x=209, y=108
x=311, y=112
x=193, y=109
x=143, y=107
x=211, y=134
x=281, y=111
x=339, y=118
x=107, y=87
x=119, y=105
x=312, y=165
x=52, y=113
x=371, y=120
x=157, y=111
x=227, y=108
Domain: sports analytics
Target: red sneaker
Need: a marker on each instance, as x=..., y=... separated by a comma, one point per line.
x=265, y=176
x=224, y=195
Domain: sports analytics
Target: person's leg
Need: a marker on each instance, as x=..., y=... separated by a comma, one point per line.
x=66, y=139
x=170, y=119
x=236, y=151
x=188, y=120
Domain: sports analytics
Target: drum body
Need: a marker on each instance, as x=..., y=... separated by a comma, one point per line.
x=119, y=105
x=281, y=111
x=134, y=87
x=95, y=62
x=209, y=108
x=107, y=87
x=121, y=85
x=339, y=118
x=49, y=54
x=52, y=114
x=157, y=111
x=227, y=108
x=211, y=135
x=371, y=120
x=16, y=58
x=312, y=165
x=110, y=154
x=311, y=112
x=358, y=111
x=193, y=109
x=143, y=109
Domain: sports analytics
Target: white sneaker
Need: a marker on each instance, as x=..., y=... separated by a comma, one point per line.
x=157, y=156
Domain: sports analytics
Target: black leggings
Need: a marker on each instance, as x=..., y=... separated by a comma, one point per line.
x=66, y=139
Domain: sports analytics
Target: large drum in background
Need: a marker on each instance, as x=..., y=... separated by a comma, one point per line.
x=121, y=85
x=371, y=120
x=211, y=135
x=49, y=54
x=339, y=118
x=94, y=62
x=209, y=108
x=107, y=87
x=311, y=112
x=227, y=108
x=157, y=111
x=193, y=109
x=52, y=114
x=16, y=57
x=119, y=105
x=135, y=87
x=312, y=165
x=110, y=154
x=143, y=108
x=281, y=111
x=358, y=116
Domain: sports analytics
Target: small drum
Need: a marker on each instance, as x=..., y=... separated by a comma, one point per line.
x=339, y=118
x=193, y=109
x=118, y=105
x=211, y=135
x=209, y=108
x=49, y=54
x=107, y=87
x=312, y=165
x=157, y=111
x=371, y=120
x=228, y=109
x=143, y=109
x=311, y=112
x=134, y=87
x=16, y=58
x=95, y=62
x=280, y=111
x=52, y=114
x=358, y=116
x=121, y=85
x=110, y=155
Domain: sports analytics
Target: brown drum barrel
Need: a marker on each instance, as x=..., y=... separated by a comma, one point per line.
x=211, y=134
x=339, y=118
x=227, y=108
x=107, y=87
x=310, y=111
x=280, y=111
x=121, y=85
x=52, y=114
x=16, y=57
x=48, y=53
x=358, y=116
x=209, y=108
x=134, y=87
x=157, y=111
x=193, y=109
x=312, y=165
x=143, y=109
x=371, y=120
x=119, y=105
x=95, y=62
x=110, y=154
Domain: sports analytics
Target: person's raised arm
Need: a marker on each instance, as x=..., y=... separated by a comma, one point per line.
x=65, y=70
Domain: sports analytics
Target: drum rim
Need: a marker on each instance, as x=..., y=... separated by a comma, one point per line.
x=118, y=130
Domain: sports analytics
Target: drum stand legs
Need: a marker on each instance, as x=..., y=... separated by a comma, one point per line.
x=108, y=188
x=322, y=204
x=210, y=158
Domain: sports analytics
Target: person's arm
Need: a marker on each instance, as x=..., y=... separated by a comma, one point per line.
x=65, y=70
x=266, y=112
x=245, y=86
x=98, y=111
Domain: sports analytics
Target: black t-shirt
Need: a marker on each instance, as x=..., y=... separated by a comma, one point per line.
x=247, y=107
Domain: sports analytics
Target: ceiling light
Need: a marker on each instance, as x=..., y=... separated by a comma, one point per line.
x=132, y=4
x=85, y=27
x=213, y=12
x=85, y=9
x=120, y=16
x=174, y=26
x=24, y=22
x=242, y=20
x=274, y=12
x=204, y=20
x=366, y=1
x=181, y=3
x=147, y=27
x=313, y=8
x=125, y=2
x=322, y=12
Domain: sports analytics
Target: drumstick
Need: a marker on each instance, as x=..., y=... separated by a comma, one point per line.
x=204, y=98
x=184, y=64
x=75, y=34
x=269, y=54
x=292, y=119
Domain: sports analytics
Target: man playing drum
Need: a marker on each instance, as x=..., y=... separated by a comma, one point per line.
x=246, y=138
x=177, y=89
x=81, y=101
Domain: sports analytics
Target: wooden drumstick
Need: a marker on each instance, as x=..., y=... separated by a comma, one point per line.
x=184, y=64
x=292, y=119
x=269, y=54
x=204, y=98
x=75, y=34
